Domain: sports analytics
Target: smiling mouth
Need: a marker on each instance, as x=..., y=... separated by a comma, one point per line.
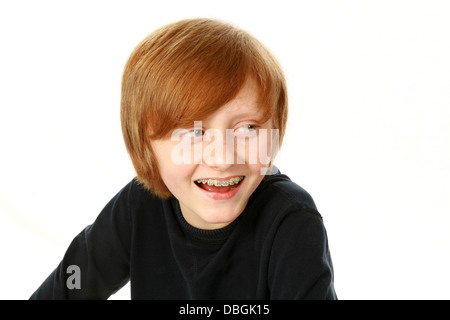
x=220, y=186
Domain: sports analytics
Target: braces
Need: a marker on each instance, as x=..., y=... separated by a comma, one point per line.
x=219, y=183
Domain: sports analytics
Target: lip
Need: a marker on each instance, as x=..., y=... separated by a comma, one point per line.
x=222, y=195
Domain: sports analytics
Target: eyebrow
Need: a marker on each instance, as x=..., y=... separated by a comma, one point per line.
x=259, y=116
x=248, y=115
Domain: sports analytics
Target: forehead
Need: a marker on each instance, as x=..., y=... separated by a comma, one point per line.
x=245, y=104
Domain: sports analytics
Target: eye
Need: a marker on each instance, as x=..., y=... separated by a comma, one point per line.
x=247, y=130
x=193, y=134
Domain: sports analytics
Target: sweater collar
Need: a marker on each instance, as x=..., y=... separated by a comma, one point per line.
x=214, y=235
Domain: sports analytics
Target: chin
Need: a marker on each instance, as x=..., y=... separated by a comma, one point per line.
x=222, y=217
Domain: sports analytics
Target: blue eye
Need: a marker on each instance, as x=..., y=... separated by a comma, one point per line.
x=194, y=133
x=250, y=127
x=246, y=129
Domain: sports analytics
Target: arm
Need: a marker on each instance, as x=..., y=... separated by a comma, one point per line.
x=300, y=264
x=100, y=251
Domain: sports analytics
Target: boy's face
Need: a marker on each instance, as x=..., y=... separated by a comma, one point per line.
x=211, y=178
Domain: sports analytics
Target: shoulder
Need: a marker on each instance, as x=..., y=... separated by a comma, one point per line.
x=288, y=213
x=134, y=193
x=296, y=214
x=133, y=199
x=296, y=239
x=285, y=211
x=280, y=191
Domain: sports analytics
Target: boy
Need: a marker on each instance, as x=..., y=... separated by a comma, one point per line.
x=201, y=220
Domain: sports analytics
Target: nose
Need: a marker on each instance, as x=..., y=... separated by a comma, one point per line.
x=218, y=151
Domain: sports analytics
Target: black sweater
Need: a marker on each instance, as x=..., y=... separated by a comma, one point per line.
x=276, y=249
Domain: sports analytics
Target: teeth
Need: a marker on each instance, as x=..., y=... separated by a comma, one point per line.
x=221, y=183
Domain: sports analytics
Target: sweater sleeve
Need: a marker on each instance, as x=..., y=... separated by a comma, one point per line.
x=300, y=265
x=96, y=264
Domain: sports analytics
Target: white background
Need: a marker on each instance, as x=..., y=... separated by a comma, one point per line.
x=368, y=134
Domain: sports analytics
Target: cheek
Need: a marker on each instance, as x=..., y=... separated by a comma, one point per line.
x=175, y=176
x=260, y=150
